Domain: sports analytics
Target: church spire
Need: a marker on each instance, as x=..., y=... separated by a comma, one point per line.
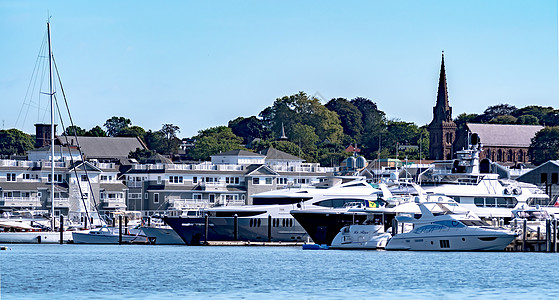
x=442, y=108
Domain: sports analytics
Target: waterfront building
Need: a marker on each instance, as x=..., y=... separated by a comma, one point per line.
x=546, y=176
x=230, y=178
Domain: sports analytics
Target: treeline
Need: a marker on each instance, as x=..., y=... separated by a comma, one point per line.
x=313, y=131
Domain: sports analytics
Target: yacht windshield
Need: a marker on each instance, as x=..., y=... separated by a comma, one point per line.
x=474, y=223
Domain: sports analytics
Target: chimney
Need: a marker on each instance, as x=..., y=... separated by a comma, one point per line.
x=42, y=135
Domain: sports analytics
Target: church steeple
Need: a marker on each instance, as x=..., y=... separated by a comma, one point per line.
x=442, y=108
x=442, y=130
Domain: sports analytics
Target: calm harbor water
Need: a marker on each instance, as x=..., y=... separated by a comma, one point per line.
x=155, y=272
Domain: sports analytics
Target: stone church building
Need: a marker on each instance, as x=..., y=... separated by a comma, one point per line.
x=508, y=144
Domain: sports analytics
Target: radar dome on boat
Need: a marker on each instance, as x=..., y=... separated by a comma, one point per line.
x=360, y=162
x=350, y=162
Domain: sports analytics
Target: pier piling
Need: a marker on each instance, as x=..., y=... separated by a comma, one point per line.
x=120, y=230
x=236, y=227
x=269, y=228
x=524, y=233
x=206, y=225
x=61, y=229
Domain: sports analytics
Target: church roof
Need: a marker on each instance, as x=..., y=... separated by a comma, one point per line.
x=505, y=135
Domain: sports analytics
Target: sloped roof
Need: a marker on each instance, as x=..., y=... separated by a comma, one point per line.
x=275, y=154
x=238, y=153
x=158, y=158
x=260, y=170
x=505, y=135
x=106, y=147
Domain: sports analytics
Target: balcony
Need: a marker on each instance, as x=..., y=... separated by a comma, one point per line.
x=113, y=203
x=134, y=184
x=59, y=202
x=20, y=202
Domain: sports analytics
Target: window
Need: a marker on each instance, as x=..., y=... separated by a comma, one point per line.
x=27, y=176
x=554, y=178
x=255, y=180
x=103, y=177
x=232, y=180
x=175, y=179
x=135, y=196
x=543, y=177
x=156, y=198
x=269, y=180
x=146, y=195
x=212, y=198
x=11, y=176
x=82, y=177
x=57, y=178
x=194, y=179
x=282, y=180
x=445, y=243
x=39, y=194
x=197, y=196
x=159, y=179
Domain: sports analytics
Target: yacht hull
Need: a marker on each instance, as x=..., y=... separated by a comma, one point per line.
x=89, y=238
x=361, y=237
x=162, y=236
x=485, y=242
x=34, y=237
x=254, y=229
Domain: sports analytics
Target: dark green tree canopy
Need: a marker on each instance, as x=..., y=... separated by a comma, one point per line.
x=96, y=131
x=132, y=131
x=115, y=124
x=214, y=140
x=250, y=128
x=350, y=116
x=545, y=145
x=74, y=130
x=15, y=142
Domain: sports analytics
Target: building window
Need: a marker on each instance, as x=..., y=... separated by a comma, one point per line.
x=11, y=176
x=194, y=179
x=175, y=179
x=57, y=178
x=156, y=198
x=146, y=195
x=83, y=177
x=554, y=179
x=197, y=196
x=158, y=179
x=269, y=180
x=255, y=180
x=282, y=180
x=521, y=155
x=212, y=198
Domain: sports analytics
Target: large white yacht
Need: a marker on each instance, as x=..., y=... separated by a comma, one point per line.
x=446, y=226
x=268, y=219
x=471, y=183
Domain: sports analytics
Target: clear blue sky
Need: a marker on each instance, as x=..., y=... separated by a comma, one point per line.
x=199, y=64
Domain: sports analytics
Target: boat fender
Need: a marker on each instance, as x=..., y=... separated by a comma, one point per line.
x=507, y=190
x=516, y=191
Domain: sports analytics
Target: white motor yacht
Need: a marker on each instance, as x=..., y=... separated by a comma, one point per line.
x=446, y=226
x=369, y=235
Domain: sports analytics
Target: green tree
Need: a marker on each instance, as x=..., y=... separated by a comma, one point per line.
x=528, y=120
x=96, y=131
x=494, y=111
x=374, y=125
x=464, y=118
x=302, y=109
x=305, y=137
x=155, y=140
x=115, y=124
x=15, y=142
x=132, y=131
x=213, y=141
x=545, y=145
x=170, y=132
x=141, y=155
x=350, y=116
x=503, y=119
x=250, y=128
x=74, y=130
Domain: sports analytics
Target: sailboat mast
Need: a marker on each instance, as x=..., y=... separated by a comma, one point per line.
x=51, y=93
